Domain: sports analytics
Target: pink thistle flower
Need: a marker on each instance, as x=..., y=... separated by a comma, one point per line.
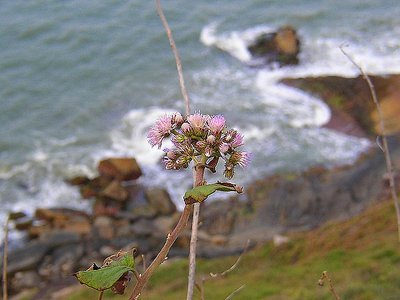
x=186, y=129
x=241, y=159
x=237, y=140
x=216, y=124
x=197, y=122
x=160, y=130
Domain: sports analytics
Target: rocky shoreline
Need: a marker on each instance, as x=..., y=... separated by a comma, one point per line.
x=127, y=215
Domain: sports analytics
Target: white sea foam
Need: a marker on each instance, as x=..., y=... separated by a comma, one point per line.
x=131, y=137
x=235, y=42
x=319, y=55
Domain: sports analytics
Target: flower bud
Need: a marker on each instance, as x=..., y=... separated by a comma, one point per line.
x=186, y=129
x=211, y=139
x=224, y=148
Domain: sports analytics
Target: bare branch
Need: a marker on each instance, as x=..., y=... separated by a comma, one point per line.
x=160, y=258
x=321, y=282
x=176, y=54
x=384, y=146
x=233, y=267
x=200, y=286
x=5, y=260
x=230, y=296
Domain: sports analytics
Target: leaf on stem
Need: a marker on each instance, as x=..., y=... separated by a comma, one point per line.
x=114, y=273
x=201, y=193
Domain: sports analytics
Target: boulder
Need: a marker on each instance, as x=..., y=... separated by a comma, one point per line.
x=62, y=261
x=26, y=280
x=94, y=187
x=218, y=217
x=27, y=258
x=282, y=46
x=121, y=169
x=160, y=201
x=104, y=227
x=115, y=191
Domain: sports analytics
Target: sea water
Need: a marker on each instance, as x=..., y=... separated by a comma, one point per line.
x=84, y=80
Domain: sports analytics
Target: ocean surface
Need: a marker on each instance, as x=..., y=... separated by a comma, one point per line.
x=83, y=80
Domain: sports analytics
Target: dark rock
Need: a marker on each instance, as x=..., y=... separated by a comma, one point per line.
x=121, y=169
x=104, y=227
x=62, y=261
x=106, y=207
x=94, y=187
x=282, y=46
x=78, y=180
x=23, y=224
x=143, y=227
x=115, y=191
x=218, y=217
x=26, y=280
x=12, y=216
x=160, y=201
x=57, y=238
x=27, y=258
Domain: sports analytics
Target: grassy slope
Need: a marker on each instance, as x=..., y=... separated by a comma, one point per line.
x=362, y=256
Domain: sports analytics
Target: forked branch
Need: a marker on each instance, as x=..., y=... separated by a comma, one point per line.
x=385, y=147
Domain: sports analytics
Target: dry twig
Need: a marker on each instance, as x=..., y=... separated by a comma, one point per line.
x=5, y=260
x=321, y=282
x=230, y=296
x=385, y=147
x=200, y=286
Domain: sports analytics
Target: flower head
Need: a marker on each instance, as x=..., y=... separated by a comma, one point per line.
x=200, y=138
x=160, y=130
x=197, y=122
x=241, y=159
x=216, y=124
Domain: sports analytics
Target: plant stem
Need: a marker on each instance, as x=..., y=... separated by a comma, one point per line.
x=171, y=238
x=5, y=260
x=176, y=54
x=198, y=178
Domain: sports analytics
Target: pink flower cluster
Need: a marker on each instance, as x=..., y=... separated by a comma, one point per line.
x=200, y=138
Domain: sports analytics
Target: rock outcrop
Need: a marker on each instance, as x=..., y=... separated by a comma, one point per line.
x=351, y=103
x=282, y=46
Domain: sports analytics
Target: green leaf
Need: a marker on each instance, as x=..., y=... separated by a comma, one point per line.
x=112, y=270
x=201, y=193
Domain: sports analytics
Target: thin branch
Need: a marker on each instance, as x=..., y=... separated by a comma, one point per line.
x=5, y=260
x=200, y=286
x=230, y=296
x=321, y=282
x=161, y=256
x=176, y=54
x=385, y=148
x=233, y=267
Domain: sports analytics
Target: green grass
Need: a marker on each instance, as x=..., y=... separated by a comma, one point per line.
x=361, y=256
